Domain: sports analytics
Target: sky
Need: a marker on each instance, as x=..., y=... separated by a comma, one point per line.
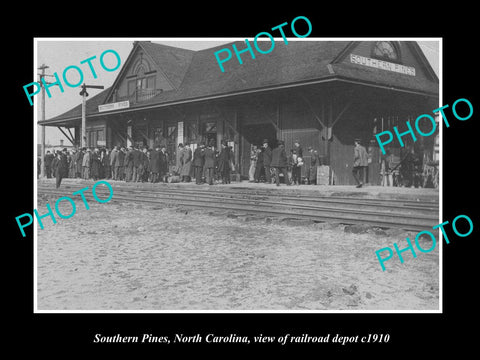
x=60, y=53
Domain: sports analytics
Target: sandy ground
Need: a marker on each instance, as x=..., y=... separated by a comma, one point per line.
x=129, y=256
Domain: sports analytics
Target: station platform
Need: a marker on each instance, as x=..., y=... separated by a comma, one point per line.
x=365, y=192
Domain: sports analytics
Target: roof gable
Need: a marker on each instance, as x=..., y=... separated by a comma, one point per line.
x=166, y=65
x=411, y=56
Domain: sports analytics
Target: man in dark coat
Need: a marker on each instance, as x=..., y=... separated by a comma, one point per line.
x=267, y=160
x=95, y=164
x=163, y=163
x=78, y=163
x=145, y=165
x=209, y=164
x=279, y=162
x=129, y=164
x=198, y=162
x=360, y=162
x=121, y=161
x=105, y=163
x=224, y=159
x=314, y=163
x=61, y=169
x=55, y=161
x=137, y=162
x=155, y=164
x=48, y=163
x=410, y=167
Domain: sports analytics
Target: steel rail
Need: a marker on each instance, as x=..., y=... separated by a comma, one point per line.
x=354, y=208
x=224, y=192
x=408, y=222
x=343, y=200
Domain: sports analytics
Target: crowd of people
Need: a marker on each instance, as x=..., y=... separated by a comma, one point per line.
x=267, y=164
x=205, y=164
x=141, y=164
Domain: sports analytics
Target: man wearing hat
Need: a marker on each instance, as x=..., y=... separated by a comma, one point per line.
x=48, y=163
x=198, y=161
x=209, y=164
x=279, y=162
x=129, y=164
x=61, y=169
x=267, y=160
x=360, y=162
x=137, y=157
x=186, y=163
x=155, y=164
x=314, y=163
x=163, y=163
x=113, y=161
x=78, y=162
x=72, y=164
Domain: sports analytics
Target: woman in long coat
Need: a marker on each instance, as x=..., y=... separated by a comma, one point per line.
x=78, y=163
x=186, y=161
x=86, y=163
x=146, y=165
x=224, y=159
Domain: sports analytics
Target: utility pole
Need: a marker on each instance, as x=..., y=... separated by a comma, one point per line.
x=42, y=127
x=84, y=95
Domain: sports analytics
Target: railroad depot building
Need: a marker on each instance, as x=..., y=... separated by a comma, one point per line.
x=323, y=93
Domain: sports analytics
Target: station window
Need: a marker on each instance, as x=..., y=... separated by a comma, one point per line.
x=131, y=87
x=210, y=127
x=151, y=82
x=142, y=83
x=192, y=131
x=386, y=50
x=100, y=135
x=171, y=132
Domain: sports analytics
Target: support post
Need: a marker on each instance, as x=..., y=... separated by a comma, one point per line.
x=42, y=133
x=42, y=127
x=84, y=111
x=329, y=122
x=237, y=143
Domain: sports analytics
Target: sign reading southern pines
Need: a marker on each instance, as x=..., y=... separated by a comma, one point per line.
x=114, y=106
x=380, y=64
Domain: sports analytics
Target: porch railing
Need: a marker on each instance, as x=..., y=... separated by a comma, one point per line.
x=140, y=95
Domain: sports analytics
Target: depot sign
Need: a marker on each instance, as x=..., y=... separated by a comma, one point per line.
x=380, y=64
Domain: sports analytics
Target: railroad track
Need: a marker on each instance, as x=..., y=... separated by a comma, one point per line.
x=406, y=214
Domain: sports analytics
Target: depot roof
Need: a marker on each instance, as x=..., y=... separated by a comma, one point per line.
x=196, y=75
